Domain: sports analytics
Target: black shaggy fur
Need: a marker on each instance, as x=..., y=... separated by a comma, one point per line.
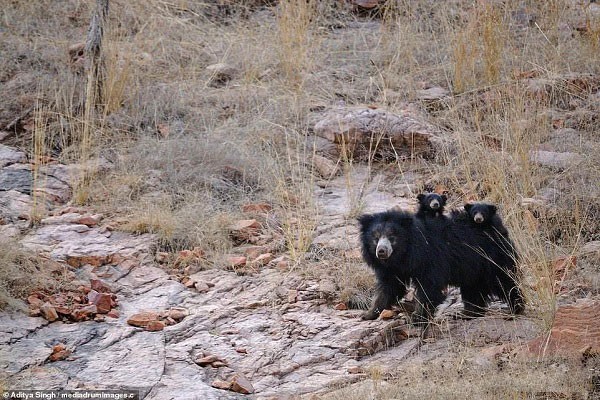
x=431, y=205
x=401, y=248
x=485, y=215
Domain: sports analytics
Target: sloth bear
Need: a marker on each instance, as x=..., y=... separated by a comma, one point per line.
x=401, y=248
x=431, y=205
x=485, y=215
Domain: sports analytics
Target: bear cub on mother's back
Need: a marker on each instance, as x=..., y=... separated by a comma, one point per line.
x=431, y=205
x=485, y=215
x=433, y=254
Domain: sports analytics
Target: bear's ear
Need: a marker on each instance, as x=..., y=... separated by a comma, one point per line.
x=365, y=220
x=493, y=209
x=420, y=197
x=468, y=207
x=444, y=198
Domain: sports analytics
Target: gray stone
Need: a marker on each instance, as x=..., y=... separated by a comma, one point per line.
x=15, y=205
x=20, y=179
x=555, y=160
x=9, y=155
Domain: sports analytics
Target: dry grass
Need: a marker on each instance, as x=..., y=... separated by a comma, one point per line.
x=460, y=378
x=21, y=273
x=188, y=153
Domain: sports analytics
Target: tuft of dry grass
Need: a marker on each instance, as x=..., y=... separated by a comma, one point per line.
x=22, y=272
x=459, y=378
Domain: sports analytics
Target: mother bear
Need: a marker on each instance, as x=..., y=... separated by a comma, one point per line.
x=433, y=254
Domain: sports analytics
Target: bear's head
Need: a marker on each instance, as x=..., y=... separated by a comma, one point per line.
x=481, y=213
x=431, y=201
x=385, y=234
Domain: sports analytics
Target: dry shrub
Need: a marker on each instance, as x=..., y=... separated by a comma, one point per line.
x=22, y=272
x=460, y=378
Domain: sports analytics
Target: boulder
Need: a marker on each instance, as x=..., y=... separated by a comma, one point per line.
x=364, y=132
x=575, y=332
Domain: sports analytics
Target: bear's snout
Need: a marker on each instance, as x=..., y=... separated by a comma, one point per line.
x=434, y=205
x=478, y=217
x=384, y=248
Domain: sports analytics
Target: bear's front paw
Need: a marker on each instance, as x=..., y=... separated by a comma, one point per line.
x=370, y=315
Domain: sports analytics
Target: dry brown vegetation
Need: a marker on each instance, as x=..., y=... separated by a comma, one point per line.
x=189, y=150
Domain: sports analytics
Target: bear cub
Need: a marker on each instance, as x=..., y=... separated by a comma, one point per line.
x=485, y=215
x=431, y=205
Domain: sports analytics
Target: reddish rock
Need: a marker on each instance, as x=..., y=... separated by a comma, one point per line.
x=90, y=220
x=355, y=370
x=48, y=312
x=142, y=319
x=99, y=286
x=59, y=352
x=84, y=313
x=198, y=252
x=178, y=314
x=292, y=296
x=262, y=260
x=35, y=312
x=574, y=333
x=188, y=282
x=218, y=364
x=162, y=257
x=155, y=326
x=34, y=301
x=102, y=301
x=219, y=384
x=236, y=261
x=257, y=208
x=387, y=314
x=241, y=384
x=113, y=314
x=207, y=360
x=341, y=306
x=94, y=261
x=63, y=310
x=244, y=229
x=254, y=251
x=241, y=350
x=563, y=265
x=201, y=287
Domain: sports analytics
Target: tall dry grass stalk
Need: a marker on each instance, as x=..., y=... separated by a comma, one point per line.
x=40, y=156
x=296, y=39
x=478, y=49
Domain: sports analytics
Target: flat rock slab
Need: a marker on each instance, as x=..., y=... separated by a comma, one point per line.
x=20, y=179
x=575, y=332
x=365, y=132
x=556, y=160
x=15, y=205
x=10, y=155
x=66, y=242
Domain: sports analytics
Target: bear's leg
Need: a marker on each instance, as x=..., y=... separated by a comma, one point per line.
x=510, y=292
x=428, y=298
x=388, y=293
x=474, y=301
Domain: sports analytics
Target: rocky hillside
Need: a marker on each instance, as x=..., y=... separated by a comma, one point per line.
x=193, y=234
